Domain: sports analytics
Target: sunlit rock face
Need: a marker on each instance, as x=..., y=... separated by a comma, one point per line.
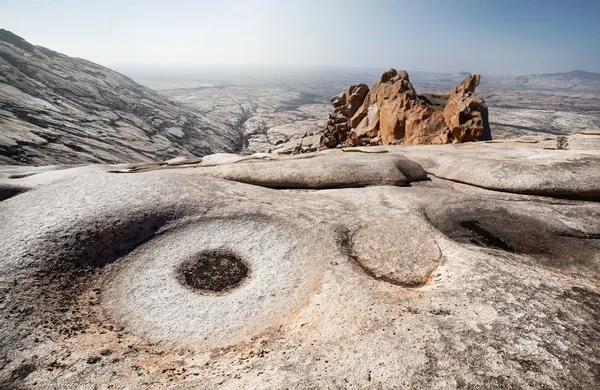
x=393, y=113
x=431, y=266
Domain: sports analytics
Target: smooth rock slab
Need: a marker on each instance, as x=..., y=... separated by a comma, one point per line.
x=91, y=295
x=530, y=166
x=331, y=170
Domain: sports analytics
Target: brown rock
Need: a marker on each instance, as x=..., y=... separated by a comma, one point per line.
x=395, y=98
x=339, y=119
x=468, y=85
x=391, y=121
x=388, y=75
x=402, y=75
x=330, y=142
x=361, y=112
x=369, y=126
x=392, y=113
x=361, y=130
x=357, y=118
x=339, y=100
x=357, y=93
x=463, y=111
x=342, y=110
x=373, y=120
x=353, y=107
x=353, y=140
x=424, y=125
x=341, y=128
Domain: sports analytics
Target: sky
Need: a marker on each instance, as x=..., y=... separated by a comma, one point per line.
x=503, y=38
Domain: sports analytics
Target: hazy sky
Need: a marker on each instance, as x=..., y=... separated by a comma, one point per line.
x=492, y=37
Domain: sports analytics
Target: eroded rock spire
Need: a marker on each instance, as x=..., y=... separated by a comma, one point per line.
x=392, y=112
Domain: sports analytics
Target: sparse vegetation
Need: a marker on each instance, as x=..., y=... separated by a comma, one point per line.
x=562, y=142
x=93, y=359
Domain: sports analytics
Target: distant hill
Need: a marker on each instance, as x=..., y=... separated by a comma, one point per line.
x=57, y=109
x=575, y=75
x=575, y=81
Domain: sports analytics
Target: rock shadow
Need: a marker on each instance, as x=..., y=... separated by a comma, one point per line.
x=507, y=228
x=9, y=192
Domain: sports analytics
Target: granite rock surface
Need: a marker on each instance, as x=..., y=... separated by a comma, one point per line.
x=478, y=278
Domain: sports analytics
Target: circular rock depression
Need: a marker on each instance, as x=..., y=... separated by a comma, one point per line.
x=216, y=282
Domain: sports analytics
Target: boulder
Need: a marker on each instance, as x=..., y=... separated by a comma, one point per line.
x=402, y=75
x=357, y=118
x=339, y=99
x=353, y=107
x=388, y=75
x=369, y=126
x=357, y=93
x=330, y=142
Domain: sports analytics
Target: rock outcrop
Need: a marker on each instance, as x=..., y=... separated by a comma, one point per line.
x=393, y=113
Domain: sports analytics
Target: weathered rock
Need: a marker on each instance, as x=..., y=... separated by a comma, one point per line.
x=407, y=118
x=182, y=160
x=369, y=126
x=306, y=144
x=441, y=279
x=397, y=261
x=356, y=119
x=353, y=107
x=330, y=142
x=388, y=75
x=402, y=75
x=324, y=171
x=463, y=112
x=357, y=93
x=424, y=125
x=339, y=100
x=388, y=270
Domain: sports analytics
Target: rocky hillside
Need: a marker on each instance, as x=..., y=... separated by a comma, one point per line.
x=57, y=109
